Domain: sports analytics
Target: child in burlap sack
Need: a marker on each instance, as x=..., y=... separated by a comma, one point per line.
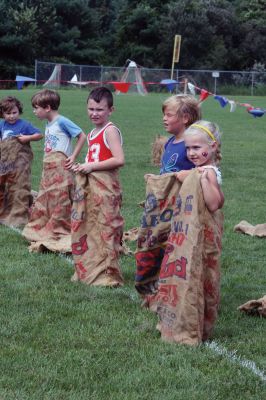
x=50, y=220
x=189, y=283
x=179, y=112
x=15, y=162
x=97, y=224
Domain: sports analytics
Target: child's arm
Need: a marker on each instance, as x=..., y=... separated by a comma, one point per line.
x=116, y=161
x=80, y=142
x=23, y=139
x=213, y=196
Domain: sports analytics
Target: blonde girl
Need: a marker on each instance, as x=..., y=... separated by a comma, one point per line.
x=203, y=143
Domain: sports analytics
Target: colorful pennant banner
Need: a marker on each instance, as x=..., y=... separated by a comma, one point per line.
x=203, y=94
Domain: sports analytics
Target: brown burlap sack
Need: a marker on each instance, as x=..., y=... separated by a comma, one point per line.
x=252, y=230
x=189, y=282
x=15, y=182
x=255, y=307
x=158, y=149
x=49, y=226
x=161, y=200
x=97, y=228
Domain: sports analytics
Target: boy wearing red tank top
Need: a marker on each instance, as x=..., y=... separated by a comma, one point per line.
x=104, y=141
x=97, y=224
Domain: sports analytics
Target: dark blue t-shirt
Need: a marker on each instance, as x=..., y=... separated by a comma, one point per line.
x=174, y=158
x=20, y=127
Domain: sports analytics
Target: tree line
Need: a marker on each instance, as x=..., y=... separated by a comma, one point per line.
x=216, y=34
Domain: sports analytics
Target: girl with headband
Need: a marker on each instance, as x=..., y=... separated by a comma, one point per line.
x=203, y=143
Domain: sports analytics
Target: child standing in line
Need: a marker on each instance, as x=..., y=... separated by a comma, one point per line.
x=202, y=141
x=15, y=162
x=97, y=224
x=50, y=217
x=179, y=111
x=188, y=294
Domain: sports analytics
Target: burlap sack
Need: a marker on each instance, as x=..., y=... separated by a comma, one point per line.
x=189, y=283
x=255, y=307
x=252, y=230
x=158, y=149
x=49, y=226
x=97, y=228
x=15, y=182
x=161, y=198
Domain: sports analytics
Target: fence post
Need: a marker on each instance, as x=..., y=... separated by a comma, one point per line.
x=35, y=72
x=252, y=83
x=101, y=75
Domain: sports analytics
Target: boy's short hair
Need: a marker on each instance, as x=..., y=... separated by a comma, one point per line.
x=184, y=104
x=46, y=97
x=100, y=93
x=9, y=102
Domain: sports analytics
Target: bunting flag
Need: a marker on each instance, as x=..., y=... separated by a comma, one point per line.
x=256, y=112
x=223, y=101
x=121, y=86
x=191, y=88
x=169, y=83
x=203, y=95
x=232, y=105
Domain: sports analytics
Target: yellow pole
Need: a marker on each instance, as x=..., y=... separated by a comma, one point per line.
x=176, y=52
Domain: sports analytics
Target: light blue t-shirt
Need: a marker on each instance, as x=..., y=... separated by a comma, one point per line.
x=174, y=158
x=20, y=127
x=58, y=135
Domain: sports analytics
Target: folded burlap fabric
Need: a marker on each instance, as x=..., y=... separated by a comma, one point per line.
x=255, y=307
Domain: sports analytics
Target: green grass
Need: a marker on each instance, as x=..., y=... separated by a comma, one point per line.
x=68, y=341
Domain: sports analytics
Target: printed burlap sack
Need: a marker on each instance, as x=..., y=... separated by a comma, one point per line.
x=189, y=283
x=157, y=149
x=49, y=226
x=161, y=197
x=97, y=228
x=15, y=182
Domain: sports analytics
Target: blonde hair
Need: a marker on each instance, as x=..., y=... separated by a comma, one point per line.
x=184, y=104
x=210, y=131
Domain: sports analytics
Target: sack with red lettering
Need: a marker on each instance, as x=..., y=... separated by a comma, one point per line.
x=161, y=198
x=189, y=283
x=97, y=228
x=49, y=226
x=15, y=182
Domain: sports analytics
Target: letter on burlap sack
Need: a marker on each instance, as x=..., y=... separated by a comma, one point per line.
x=49, y=226
x=161, y=199
x=15, y=182
x=189, y=282
x=97, y=228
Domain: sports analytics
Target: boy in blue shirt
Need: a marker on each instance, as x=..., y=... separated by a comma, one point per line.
x=15, y=162
x=179, y=111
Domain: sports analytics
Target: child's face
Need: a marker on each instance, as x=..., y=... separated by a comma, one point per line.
x=172, y=122
x=40, y=112
x=99, y=112
x=199, y=151
x=12, y=115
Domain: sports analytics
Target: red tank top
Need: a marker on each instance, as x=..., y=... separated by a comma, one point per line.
x=98, y=146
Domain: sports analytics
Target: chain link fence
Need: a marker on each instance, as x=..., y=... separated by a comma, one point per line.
x=87, y=76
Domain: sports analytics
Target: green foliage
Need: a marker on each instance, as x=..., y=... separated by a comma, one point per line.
x=216, y=34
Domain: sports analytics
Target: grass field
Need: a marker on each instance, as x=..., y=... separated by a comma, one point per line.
x=67, y=341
